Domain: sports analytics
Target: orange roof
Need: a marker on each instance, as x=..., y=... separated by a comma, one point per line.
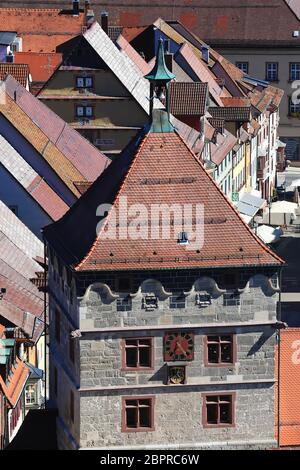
x=235, y=101
x=41, y=65
x=16, y=382
x=61, y=165
x=129, y=33
x=289, y=383
x=2, y=329
x=42, y=30
x=161, y=169
x=133, y=55
x=19, y=71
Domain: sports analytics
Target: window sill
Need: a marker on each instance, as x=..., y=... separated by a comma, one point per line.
x=137, y=369
x=206, y=425
x=221, y=364
x=138, y=429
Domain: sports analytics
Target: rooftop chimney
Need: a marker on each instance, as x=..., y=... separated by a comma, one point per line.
x=10, y=57
x=89, y=17
x=205, y=53
x=104, y=21
x=76, y=7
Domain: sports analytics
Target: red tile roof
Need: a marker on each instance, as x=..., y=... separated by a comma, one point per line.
x=231, y=113
x=19, y=71
x=129, y=33
x=48, y=199
x=82, y=158
x=289, y=384
x=224, y=21
x=133, y=55
x=235, y=101
x=161, y=169
x=16, y=382
x=223, y=144
x=188, y=99
x=42, y=30
x=203, y=72
x=41, y=65
x=82, y=186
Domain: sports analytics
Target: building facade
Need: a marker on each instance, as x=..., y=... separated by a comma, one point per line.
x=178, y=355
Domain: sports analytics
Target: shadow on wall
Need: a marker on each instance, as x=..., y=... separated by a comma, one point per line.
x=38, y=432
x=256, y=346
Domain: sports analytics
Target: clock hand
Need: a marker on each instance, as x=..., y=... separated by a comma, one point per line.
x=181, y=348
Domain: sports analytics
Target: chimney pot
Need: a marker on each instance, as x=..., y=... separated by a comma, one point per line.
x=87, y=5
x=104, y=21
x=10, y=58
x=76, y=7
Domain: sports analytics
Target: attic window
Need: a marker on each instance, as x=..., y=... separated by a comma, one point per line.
x=150, y=302
x=84, y=82
x=183, y=238
x=203, y=300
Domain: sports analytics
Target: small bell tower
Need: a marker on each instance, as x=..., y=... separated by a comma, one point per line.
x=159, y=79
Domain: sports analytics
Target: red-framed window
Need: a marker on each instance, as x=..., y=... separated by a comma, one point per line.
x=220, y=350
x=218, y=410
x=138, y=414
x=137, y=353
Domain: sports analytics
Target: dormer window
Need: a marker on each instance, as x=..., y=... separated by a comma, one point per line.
x=84, y=111
x=150, y=302
x=203, y=300
x=84, y=82
x=183, y=238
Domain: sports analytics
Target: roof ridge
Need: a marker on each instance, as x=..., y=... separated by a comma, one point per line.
x=31, y=9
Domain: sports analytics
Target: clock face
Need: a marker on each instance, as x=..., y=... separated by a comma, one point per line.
x=179, y=346
x=177, y=374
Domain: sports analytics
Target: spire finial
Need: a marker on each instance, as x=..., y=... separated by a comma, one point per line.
x=159, y=77
x=160, y=72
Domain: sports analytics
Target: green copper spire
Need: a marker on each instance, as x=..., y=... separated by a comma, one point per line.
x=160, y=73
